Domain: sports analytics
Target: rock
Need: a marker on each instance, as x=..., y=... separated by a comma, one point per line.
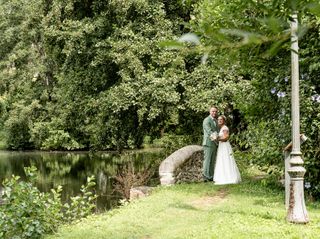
x=140, y=192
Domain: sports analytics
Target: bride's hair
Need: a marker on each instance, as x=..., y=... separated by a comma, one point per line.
x=224, y=118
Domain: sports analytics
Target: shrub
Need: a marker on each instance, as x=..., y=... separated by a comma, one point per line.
x=127, y=178
x=17, y=125
x=171, y=142
x=46, y=136
x=28, y=213
x=81, y=206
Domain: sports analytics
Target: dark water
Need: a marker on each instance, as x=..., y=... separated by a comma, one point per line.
x=71, y=170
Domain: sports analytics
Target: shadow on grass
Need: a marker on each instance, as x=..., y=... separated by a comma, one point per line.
x=183, y=206
x=264, y=215
x=264, y=194
x=258, y=187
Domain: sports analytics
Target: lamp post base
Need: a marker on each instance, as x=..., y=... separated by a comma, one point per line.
x=297, y=212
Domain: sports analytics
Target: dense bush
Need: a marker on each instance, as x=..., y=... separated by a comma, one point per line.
x=172, y=142
x=28, y=213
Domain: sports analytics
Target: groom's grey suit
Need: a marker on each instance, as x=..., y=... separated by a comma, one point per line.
x=210, y=125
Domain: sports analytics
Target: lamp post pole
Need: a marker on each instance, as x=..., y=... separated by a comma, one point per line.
x=297, y=212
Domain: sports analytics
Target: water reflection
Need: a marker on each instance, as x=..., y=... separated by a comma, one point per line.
x=71, y=170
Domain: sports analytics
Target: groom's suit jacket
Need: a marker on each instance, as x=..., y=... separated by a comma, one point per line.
x=209, y=126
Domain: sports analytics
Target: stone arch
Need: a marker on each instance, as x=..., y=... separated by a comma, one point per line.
x=184, y=165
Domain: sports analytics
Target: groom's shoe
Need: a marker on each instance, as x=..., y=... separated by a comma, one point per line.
x=205, y=179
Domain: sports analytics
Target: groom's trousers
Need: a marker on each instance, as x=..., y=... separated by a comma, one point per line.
x=209, y=161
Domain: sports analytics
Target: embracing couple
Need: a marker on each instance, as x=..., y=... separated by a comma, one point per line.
x=218, y=164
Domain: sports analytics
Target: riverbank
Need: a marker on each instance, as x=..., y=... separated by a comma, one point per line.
x=202, y=210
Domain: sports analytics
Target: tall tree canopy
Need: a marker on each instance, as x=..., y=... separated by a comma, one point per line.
x=94, y=74
x=89, y=74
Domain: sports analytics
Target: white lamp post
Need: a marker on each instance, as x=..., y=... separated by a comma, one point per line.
x=297, y=212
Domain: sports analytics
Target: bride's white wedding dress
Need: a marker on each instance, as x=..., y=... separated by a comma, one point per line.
x=226, y=170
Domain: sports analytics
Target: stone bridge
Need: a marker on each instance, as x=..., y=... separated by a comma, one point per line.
x=184, y=165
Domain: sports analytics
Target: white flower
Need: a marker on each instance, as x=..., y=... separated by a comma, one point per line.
x=307, y=185
x=281, y=94
x=214, y=136
x=316, y=98
x=286, y=78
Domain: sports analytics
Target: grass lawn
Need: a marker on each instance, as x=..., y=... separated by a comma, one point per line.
x=203, y=210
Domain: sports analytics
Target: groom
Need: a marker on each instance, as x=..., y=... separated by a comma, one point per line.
x=210, y=126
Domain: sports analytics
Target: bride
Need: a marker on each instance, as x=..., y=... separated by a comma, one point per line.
x=226, y=170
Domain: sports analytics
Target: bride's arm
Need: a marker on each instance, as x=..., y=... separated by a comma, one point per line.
x=225, y=136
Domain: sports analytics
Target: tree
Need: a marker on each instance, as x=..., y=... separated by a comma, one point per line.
x=99, y=78
x=253, y=35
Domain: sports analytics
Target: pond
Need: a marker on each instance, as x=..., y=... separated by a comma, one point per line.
x=70, y=170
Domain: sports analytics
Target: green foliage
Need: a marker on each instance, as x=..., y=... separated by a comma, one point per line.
x=95, y=68
x=310, y=106
x=96, y=74
x=173, y=142
x=265, y=148
x=28, y=213
x=253, y=37
x=59, y=139
x=81, y=206
x=18, y=124
x=3, y=144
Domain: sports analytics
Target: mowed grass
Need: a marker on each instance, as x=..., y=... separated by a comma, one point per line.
x=203, y=210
